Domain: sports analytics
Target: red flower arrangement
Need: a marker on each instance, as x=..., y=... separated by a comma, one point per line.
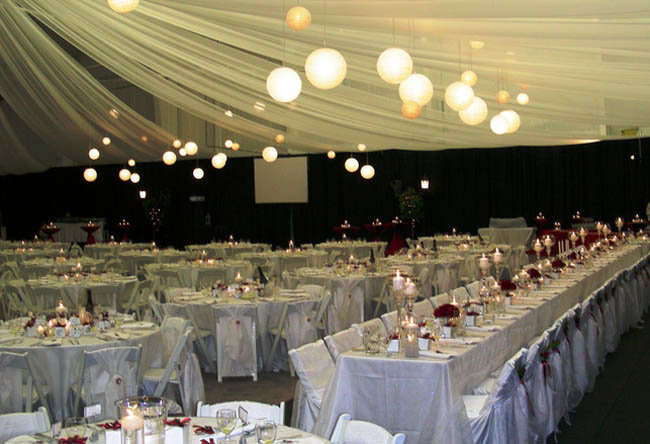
x=573, y=256
x=506, y=285
x=557, y=263
x=533, y=273
x=446, y=311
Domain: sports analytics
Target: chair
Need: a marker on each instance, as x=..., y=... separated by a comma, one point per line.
x=347, y=306
x=390, y=321
x=76, y=250
x=348, y=431
x=206, y=277
x=236, y=341
x=256, y=410
x=439, y=299
x=343, y=341
x=460, y=295
x=139, y=298
x=114, y=265
x=325, y=298
x=105, y=376
x=372, y=326
x=16, y=424
x=423, y=309
x=18, y=384
x=424, y=282
x=157, y=308
x=535, y=377
x=314, y=367
x=474, y=289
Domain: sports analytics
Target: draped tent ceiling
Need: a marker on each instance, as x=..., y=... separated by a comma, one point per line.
x=585, y=65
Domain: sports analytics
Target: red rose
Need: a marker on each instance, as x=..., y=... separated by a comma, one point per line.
x=446, y=311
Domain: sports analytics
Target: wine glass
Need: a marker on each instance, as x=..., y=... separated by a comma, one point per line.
x=226, y=421
x=265, y=431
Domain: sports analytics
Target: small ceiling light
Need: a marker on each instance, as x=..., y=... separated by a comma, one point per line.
x=93, y=154
x=367, y=172
x=459, y=96
x=394, y=65
x=124, y=174
x=90, y=174
x=131, y=162
x=123, y=6
x=325, y=68
x=235, y=146
x=631, y=158
x=523, y=99
x=169, y=158
x=424, y=184
x=228, y=113
x=283, y=84
x=135, y=178
x=191, y=148
x=198, y=173
x=331, y=154
x=228, y=143
x=361, y=147
x=270, y=154
x=416, y=88
x=114, y=113
x=182, y=152
x=503, y=97
x=177, y=143
x=143, y=194
x=476, y=44
x=351, y=164
x=298, y=18
x=279, y=138
x=411, y=110
x=106, y=141
x=469, y=77
x=219, y=160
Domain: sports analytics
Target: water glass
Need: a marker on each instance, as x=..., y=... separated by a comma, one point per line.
x=265, y=432
x=226, y=420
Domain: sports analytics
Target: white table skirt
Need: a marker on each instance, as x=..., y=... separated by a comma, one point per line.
x=378, y=389
x=72, y=232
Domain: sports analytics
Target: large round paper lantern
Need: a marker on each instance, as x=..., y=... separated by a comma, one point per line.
x=351, y=164
x=219, y=160
x=279, y=138
x=523, y=99
x=283, y=84
x=106, y=141
x=269, y=154
x=123, y=6
x=475, y=113
x=93, y=154
x=513, y=120
x=416, y=88
x=298, y=18
x=90, y=174
x=367, y=172
x=124, y=174
x=469, y=77
x=191, y=148
x=499, y=124
x=135, y=178
x=177, y=143
x=331, y=154
x=503, y=97
x=198, y=173
x=169, y=158
x=411, y=110
x=394, y=65
x=325, y=68
x=459, y=96
x=131, y=162
x=235, y=146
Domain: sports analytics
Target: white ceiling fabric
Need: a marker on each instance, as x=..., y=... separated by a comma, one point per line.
x=585, y=66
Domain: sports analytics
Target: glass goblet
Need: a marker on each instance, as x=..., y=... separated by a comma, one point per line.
x=265, y=432
x=226, y=421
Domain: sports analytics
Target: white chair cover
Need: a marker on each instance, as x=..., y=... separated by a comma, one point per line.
x=439, y=299
x=236, y=340
x=535, y=379
x=256, y=410
x=347, y=305
x=390, y=321
x=474, y=288
x=580, y=380
x=423, y=309
x=610, y=325
x=15, y=380
x=590, y=333
x=301, y=324
x=446, y=274
x=343, y=341
x=460, y=294
x=349, y=431
x=372, y=326
x=555, y=381
x=424, y=282
x=192, y=388
x=16, y=424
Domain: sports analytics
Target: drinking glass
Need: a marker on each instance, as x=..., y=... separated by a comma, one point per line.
x=226, y=421
x=266, y=431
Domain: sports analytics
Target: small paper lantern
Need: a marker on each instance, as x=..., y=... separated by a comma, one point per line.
x=269, y=154
x=90, y=174
x=228, y=143
x=279, y=138
x=106, y=141
x=93, y=154
x=475, y=113
x=325, y=68
x=283, y=84
x=367, y=172
x=219, y=160
x=523, y=99
x=169, y=158
x=331, y=154
x=394, y=65
x=135, y=178
x=123, y=6
x=513, y=120
x=145, y=139
x=124, y=174
x=191, y=148
x=411, y=110
x=198, y=173
x=469, y=77
x=499, y=124
x=182, y=152
x=235, y=146
x=361, y=147
x=177, y=143
x=459, y=96
x=351, y=164
x=143, y=194
x=416, y=88
x=298, y=18
x=503, y=97
x=131, y=162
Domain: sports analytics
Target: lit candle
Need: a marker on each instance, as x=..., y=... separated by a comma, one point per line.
x=131, y=422
x=410, y=288
x=60, y=309
x=40, y=330
x=484, y=262
x=498, y=256
x=398, y=282
x=238, y=277
x=599, y=226
x=619, y=223
x=548, y=242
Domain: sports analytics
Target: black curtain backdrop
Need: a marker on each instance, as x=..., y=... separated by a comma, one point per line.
x=467, y=187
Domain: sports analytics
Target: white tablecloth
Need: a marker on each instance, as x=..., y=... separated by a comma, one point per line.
x=101, y=250
x=358, y=249
x=36, y=268
x=279, y=261
x=227, y=249
x=515, y=237
x=189, y=273
x=72, y=232
x=135, y=260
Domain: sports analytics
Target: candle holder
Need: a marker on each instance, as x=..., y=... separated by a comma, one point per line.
x=619, y=224
x=573, y=237
x=131, y=421
x=538, y=247
x=411, y=344
x=548, y=244
x=153, y=413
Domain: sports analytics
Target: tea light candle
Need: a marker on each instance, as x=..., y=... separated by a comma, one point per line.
x=498, y=256
x=453, y=231
x=398, y=282
x=291, y=245
x=599, y=226
x=131, y=422
x=238, y=277
x=619, y=223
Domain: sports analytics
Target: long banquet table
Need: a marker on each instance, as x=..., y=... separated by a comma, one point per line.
x=380, y=388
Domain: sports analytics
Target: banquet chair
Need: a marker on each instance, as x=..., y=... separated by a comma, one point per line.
x=105, y=376
x=256, y=410
x=157, y=308
x=390, y=321
x=384, y=299
x=343, y=341
x=423, y=309
x=139, y=299
x=20, y=387
x=373, y=326
x=474, y=288
x=289, y=279
x=325, y=298
x=348, y=431
x=579, y=380
x=16, y=424
x=8, y=271
x=169, y=278
x=206, y=277
x=236, y=341
x=76, y=250
x=439, y=299
x=424, y=283
x=536, y=377
x=347, y=306
x=610, y=325
x=114, y=265
x=460, y=295
x=314, y=367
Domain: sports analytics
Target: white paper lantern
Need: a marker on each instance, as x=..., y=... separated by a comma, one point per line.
x=351, y=164
x=367, y=172
x=269, y=154
x=331, y=154
x=124, y=174
x=499, y=124
x=469, y=77
x=325, y=68
x=283, y=84
x=503, y=97
x=416, y=88
x=131, y=162
x=459, y=96
x=198, y=173
x=169, y=158
x=135, y=178
x=475, y=113
x=298, y=18
x=219, y=160
x=394, y=65
x=191, y=148
x=228, y=143
x=123, y=6
x=177, y=143
x=106, y=141
x=182, y=152
x=90, y=174
x=513, y=120
x=523, y=99
x=93, y=154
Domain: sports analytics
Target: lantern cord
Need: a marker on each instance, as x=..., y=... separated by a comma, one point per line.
x=325, y=24
x=460, y=67
x=393, y=31
x=284, y=37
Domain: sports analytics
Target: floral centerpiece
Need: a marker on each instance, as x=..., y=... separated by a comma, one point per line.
x=448, y=316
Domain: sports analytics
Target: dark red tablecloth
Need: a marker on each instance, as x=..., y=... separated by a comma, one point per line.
x=397, y=233
x=349, y=232
x=90, y=230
